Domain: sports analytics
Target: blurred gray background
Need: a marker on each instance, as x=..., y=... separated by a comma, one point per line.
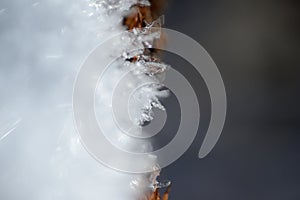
x=256, y=46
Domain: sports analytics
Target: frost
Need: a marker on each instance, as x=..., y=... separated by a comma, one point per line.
x=43, y=45
x=7, y=126
x=146, y=99
x=110, y=6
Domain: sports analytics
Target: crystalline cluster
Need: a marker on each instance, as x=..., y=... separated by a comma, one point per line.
x=148, y=66
x=134, y=47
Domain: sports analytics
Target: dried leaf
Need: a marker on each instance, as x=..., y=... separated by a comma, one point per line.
x=156, y=196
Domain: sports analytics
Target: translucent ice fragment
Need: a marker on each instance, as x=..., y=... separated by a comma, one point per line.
x=7, y=127
x=162, y=184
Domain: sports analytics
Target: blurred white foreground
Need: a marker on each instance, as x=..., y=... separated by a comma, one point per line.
x=42, y=47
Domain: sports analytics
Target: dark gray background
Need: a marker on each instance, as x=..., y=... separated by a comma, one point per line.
x=255, y=44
